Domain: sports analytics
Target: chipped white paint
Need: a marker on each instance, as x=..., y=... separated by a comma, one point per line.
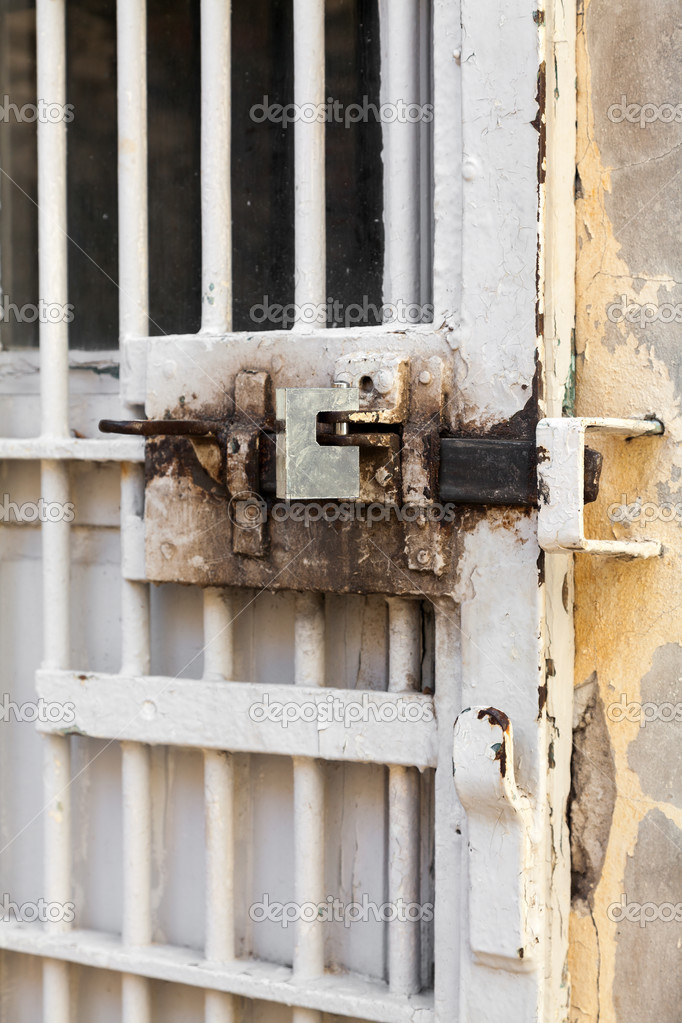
x=561, y=476
x=499, y=825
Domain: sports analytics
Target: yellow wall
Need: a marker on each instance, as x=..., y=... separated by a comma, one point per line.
x=627, y=801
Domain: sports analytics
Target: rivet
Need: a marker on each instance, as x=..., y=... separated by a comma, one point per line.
x=423, y=557
x=425, y=377
x=469, y=170
x=383, y=381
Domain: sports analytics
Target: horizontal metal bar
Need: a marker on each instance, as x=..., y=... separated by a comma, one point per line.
x=84, y=449
x=370, y=727
x=499, y=471
x=161, y=427
x=340, y=995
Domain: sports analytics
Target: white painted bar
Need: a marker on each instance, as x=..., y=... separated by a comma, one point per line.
x=135, y=643
x=404, y=673
x=309, y=670
x=450, y=837
x=133, y=321
x=309, y=157
x=52, y=224
x=212, y=715
x=54, y=363
x=219, y=788
x=57, y=869
x=137, y=916
x=400, y=20
x=216, y=206
x=336, y=994
x=447, y=157
x=117, y=449
x=133, y=267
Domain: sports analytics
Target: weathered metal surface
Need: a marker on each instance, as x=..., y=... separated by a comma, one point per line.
x=495, y=471
x=561, y=472
x=304, y=472
x=212, y=529
x=501, y=924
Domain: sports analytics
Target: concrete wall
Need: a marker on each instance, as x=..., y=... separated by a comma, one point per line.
x=626, y=807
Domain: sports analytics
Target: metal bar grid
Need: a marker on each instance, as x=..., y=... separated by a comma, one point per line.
x=305, y=987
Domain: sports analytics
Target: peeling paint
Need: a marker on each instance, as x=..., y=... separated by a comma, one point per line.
x=628, y=617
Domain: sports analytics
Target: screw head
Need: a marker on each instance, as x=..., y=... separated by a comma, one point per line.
x=423, y=557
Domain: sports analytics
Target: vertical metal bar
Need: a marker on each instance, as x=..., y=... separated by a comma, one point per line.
x=309, y=197
x=310, y=298
x=216, y=208
x=404, y=672
x=137, y=916
x=400, y=86
x=136, y=769
x=133, y=320
x=309, y=670
x=54, y=356
x=447, y=155
x=133, y=270
x=219, y=809
x=400, y=23
x=450, y=818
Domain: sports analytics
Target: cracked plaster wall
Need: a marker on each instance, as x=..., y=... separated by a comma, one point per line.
x=627, y=803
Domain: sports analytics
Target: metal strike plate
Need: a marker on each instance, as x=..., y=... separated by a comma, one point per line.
x=561, y=481
x=307, y=471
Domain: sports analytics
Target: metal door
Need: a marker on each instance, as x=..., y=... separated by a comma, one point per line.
x=465, y=631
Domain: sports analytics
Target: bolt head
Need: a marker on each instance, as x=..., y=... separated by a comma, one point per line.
x=425, y=377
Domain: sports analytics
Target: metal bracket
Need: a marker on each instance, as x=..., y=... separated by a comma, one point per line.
x=561, y=476
x=306, y=471
x=499, y=821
